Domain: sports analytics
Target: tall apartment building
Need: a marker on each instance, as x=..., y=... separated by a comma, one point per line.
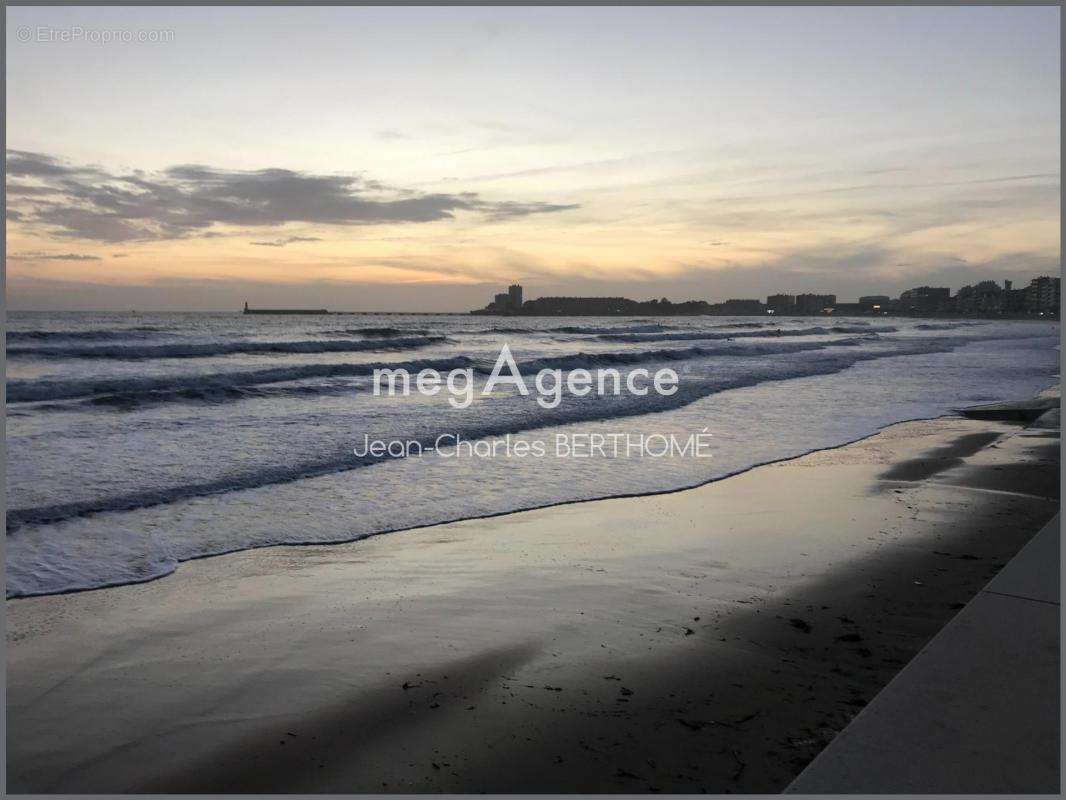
x=875, y=302
x=814, y=303
x=924, y=298
x=781, y=303
x=1043, y=294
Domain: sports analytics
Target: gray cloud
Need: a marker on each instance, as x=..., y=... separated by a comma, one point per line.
x=42, y=256
x=22, y=163
x=286, y=240
x=28, y=190
x=189, y=200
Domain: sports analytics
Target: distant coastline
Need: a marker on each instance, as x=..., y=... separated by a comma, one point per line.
x=1041, y=299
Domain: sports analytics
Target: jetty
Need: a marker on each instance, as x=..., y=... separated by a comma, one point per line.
x=248, y=310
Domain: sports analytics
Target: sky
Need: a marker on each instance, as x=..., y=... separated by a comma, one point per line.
x=424, y=158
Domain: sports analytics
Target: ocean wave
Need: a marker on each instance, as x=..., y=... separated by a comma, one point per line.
x=201, y=350
x=113, y=334
x=817, y=330
x=650, y=327
x=575, y=410
x=632, y=358
x=37, y=390
x=380, y=333
x=479, y=331
x=745, y=325
x=941, y=326
x=129, y=392
x=582, y=330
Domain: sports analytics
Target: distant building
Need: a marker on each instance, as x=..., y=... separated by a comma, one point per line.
x=987, y=298
x=875, y=303
x=592, y=306
x=1043, y=295
x=739, y=308
x=815, y=303
x=781, y=303
x=924, y=299
x=848, y=309
x=1013, y=299
x=514, y=296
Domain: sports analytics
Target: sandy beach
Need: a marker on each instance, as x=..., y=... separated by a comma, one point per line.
x=714, y=639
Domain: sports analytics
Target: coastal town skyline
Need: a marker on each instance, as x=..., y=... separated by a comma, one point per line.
x=418, y=168
x=1041, y=297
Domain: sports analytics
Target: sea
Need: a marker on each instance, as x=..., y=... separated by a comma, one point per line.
x=137, y=441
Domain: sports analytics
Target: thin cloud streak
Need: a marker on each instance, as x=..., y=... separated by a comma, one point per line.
x=42, y=256
x=287, y=241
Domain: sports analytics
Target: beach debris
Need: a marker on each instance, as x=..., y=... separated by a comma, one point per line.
x=800, y=624
x=611, y=678
x=407, y=685
x=624, y=773
x=626, y=692
x=553, y=688
x=849, y=637
x=689, y=631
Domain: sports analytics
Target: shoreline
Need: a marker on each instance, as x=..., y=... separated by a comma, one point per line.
x=475, y=518
x=681, y=641
x=1054, y=388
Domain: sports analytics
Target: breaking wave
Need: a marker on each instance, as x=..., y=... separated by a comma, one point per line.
x=574, y=411
x=380, y=333
x=762, y=333
x=192, y=350
x=219, y=387
x=113, y=334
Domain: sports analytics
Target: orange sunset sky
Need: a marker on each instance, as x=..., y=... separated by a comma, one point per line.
x=421, y=158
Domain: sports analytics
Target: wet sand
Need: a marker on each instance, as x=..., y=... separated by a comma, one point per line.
x=707, y=640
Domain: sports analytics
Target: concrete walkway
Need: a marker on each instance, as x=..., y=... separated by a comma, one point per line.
x=977, y=710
